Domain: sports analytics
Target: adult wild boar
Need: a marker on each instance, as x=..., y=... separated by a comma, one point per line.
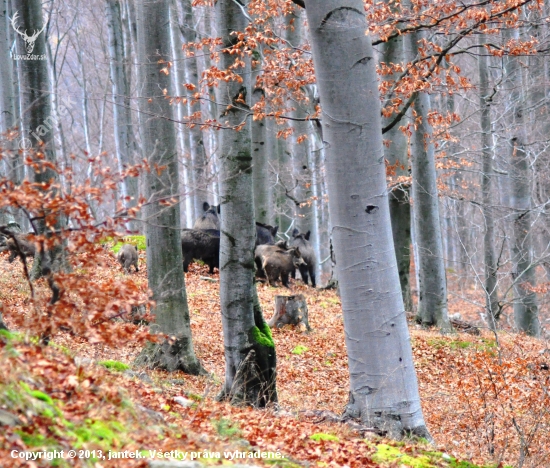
x=128, y=256
x=201, y=245
x=209, y=219
x=265, y=234
x=301, y=241
x=20, y=247
x=277, y=262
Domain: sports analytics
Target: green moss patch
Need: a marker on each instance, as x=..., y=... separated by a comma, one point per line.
x=114, y=365
x=415, y=457
x=298, y=350
x=262, y=336
x=319, y=436
x=226, y=428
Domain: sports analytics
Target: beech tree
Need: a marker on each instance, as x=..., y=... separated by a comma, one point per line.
x=525, y=299
x=260, y=168
x=196, y=144
x=432, y=287
x=37, y=120
x=383, y=385
x=11, y=166
x=249, y=349
x=487, y=176
x=124, y=134
x=161, y=213
x=397, y=155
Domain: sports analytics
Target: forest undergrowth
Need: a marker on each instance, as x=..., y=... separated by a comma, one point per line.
x=485, y=398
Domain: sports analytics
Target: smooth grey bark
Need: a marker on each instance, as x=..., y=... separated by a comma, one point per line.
x=489, y=254
x=130, y=31
x=11, y=165
x=202, y=17
x=271, y=146
x=162, y=223
x=460, y=240
x=285, y=185
x=185, y=159
x=124, y=141
x=432, y=287
x=37, y=119
x=526, y=313
x=318, y=233
x=200, y=169
x=284, y=207
x=260, y=168
x=55, y=75
x=300, y=152
x=398, y=159
x=83, y=84
x=249, y=348
x=383, y=384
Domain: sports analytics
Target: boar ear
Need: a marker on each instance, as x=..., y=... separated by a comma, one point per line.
x=297, y=252
x=295, y=232
x=307, y=235
x=218, y=209
x=274, y=230
x=205, y=206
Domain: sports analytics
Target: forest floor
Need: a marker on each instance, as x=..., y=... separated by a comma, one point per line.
x=485, y=397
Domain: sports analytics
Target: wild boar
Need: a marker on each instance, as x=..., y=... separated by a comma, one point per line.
x=128, y=256
x=201, y=245
x=301, y=241
x=20, y=247
x=277, y=262
x=262, y=250
x=209, y=219
x=265, y=234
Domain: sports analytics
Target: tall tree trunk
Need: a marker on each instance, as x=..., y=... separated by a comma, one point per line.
x=162, y=223
x=432, y=287
x=320, y=240
x=460, y=240
x=271, y=146
x=202, y=18
x=525, y=301
x=121, y=110
x=195, y=134
x=36, y=112
x=283, y=175
x=185, y=159
x=249, y=348
x=398, y=159
x=56, y=105
x=260, y=169
x=301, y=170
x=489, y=254
x=384, y=389
x=11, y=165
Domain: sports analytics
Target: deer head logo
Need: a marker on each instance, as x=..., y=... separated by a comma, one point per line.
x=29, y=40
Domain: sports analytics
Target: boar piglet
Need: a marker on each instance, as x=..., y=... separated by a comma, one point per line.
x=301, y=241
x=128, y=256
x=277, y=262
x=262, y=250
x=201, y=245
x=209, y=219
